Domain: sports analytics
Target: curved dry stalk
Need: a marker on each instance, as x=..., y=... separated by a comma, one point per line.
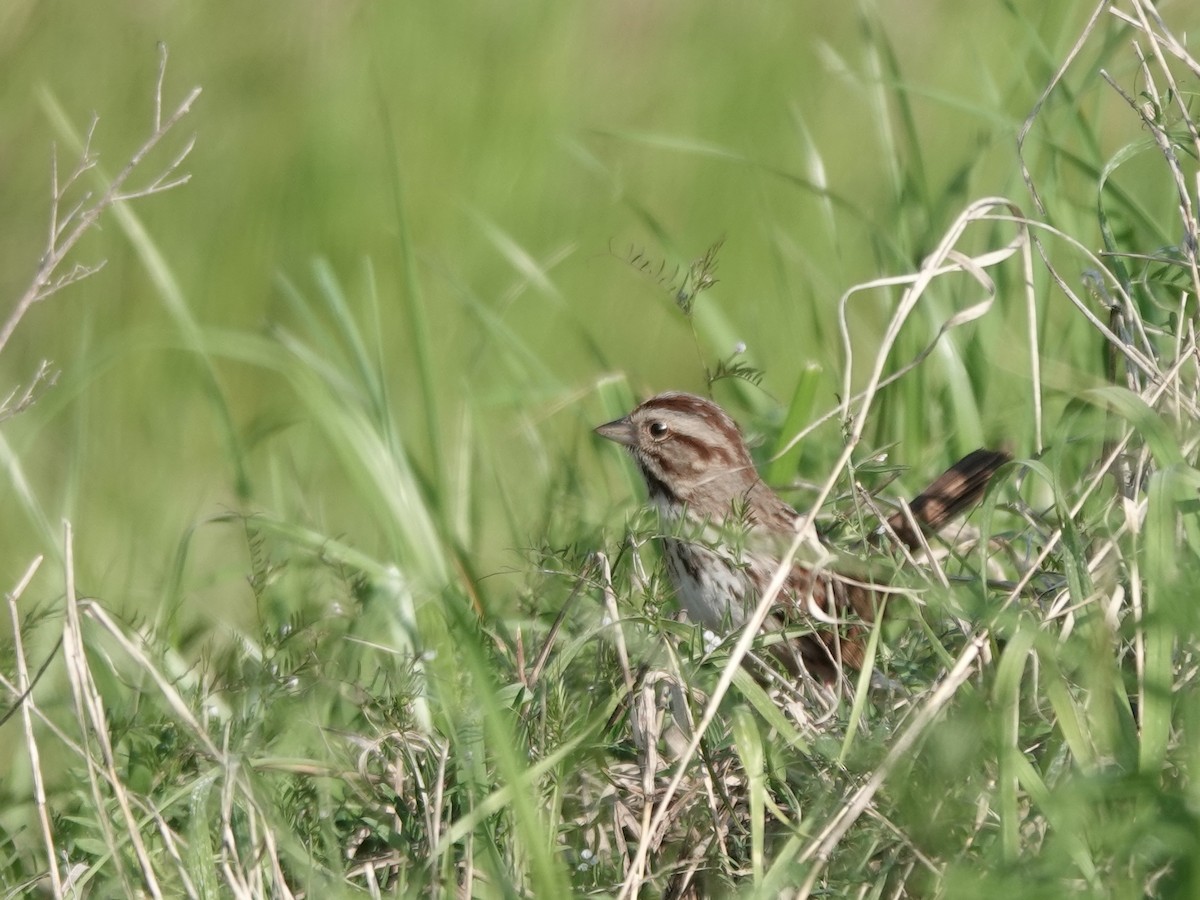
x=944, y=260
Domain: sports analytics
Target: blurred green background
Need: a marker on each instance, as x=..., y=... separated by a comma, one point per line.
x=527, y=150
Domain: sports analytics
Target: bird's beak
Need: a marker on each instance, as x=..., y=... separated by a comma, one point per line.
x=619, y=430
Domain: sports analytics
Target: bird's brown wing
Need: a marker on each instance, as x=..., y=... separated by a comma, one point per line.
x=949, y=494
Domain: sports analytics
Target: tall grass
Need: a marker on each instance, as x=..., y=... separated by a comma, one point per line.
x=341, y=687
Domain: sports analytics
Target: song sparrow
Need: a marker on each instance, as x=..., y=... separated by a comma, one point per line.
x=724, y=530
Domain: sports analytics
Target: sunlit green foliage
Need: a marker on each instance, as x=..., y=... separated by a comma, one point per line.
x=351, y=602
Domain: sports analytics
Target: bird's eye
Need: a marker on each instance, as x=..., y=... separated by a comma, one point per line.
x=658, y=429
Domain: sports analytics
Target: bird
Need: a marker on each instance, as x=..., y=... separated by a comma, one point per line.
x=724, y=531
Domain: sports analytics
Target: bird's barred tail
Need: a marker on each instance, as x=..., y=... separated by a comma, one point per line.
x=953, y=491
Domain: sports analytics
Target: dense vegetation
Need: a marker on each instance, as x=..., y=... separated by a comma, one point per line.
x=318, y=582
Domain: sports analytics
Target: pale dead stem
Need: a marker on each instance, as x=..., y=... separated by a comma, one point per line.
x=90, y=715
x=1141, y=359
x=12, y=405
x=70, y=220
x=245, y=877
x=822, y=845
x=27, y=712
x=1162, y=40
x=944, y=261
x=819, y=849
x=404, y=755
x=30, y=709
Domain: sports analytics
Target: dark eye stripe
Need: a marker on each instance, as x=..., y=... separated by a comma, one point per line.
x=707, y=452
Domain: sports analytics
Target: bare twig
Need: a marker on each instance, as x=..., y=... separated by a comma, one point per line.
x=44, y=377
x=67, y=228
